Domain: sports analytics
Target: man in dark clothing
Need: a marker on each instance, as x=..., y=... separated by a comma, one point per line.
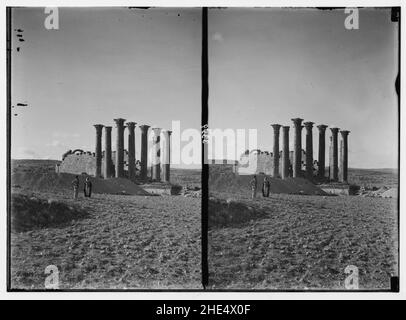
x=88, y=188
x=75, y=185
x=265, y=187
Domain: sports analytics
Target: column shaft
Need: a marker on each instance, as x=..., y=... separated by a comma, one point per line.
x=156, y=155
x=120, y=148
x=322, y=150
x=309, y=149
x=297, y=151
x=131, y=150
x=144, y=151
x=98, y=149
x=166, y=156
x=285, y=152
x=107, y=153
x=344, y=156
x=276, y=129
x=334, y=150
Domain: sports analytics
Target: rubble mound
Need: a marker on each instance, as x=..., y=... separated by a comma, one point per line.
x=28, y=213
x=191, y=192
x=383, y=192
x=390, y=193
x=39, y=180
x=226, y=181
x=231, y=212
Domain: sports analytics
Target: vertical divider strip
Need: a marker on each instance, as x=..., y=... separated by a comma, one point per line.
x=205, y=166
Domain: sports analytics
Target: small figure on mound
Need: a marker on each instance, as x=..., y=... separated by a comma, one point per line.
x=253, y=184
x=88, y=188
x=75, y=185
x=266, y=187
x=290, y=170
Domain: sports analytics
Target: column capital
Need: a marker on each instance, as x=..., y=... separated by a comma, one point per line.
x=334, y=130
x=286, y=128
x=98, y=127
x=297, y=122
x=157, y=131
x=144, y=127
x=131, y=125
x=276, y=127
x=308, y=124
x=322, y=127
x=165, y=131
x=119, y=121
x=344, y=133
x=108, y=128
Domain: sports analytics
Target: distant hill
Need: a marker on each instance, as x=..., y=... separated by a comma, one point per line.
x=373, y=177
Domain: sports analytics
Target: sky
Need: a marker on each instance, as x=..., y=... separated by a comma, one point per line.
x=271, y=65
x=265, y=66
x=102, y=64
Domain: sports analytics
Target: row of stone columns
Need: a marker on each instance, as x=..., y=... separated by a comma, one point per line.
x=119, y=167
x=297, y=151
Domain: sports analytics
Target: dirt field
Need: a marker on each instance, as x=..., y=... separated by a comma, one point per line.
x=300, y=242
x=305, y=242
x=124, y=241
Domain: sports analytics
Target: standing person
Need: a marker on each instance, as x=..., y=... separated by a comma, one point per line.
x=290, y=174
x=265, y=187
x=253, y=184
x=75, y=185
x=88, y=187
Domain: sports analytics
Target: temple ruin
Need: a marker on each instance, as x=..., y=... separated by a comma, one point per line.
x=299, y=162
x=122, y=162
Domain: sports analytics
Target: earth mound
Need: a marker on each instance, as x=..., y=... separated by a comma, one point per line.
x=28, y=213
x=383, y=192
x=40, y=180
x=391, y=193
x=227, y=181
x=225, y=213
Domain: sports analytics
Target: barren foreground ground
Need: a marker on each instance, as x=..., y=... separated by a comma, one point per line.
x=306, y=242
x=121, y=241
x=125, y=242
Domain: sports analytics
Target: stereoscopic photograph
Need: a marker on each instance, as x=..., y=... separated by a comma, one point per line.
x=303, y=164
x=118, y=182
x=104, y=111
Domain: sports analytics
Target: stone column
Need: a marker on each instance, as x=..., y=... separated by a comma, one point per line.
x=276, y=129
x=166, y=155
x=285, y=152
x=309, y=149
x=297, y=151
x=334, y=150
x=107, y=153
x=120, y=147
x=144, y=151
x=156, y=155
x=98, y=149
x=344, y=156
x=322, y=150
x=131, y=150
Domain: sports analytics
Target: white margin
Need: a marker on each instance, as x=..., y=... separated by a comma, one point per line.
x=192, y=295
